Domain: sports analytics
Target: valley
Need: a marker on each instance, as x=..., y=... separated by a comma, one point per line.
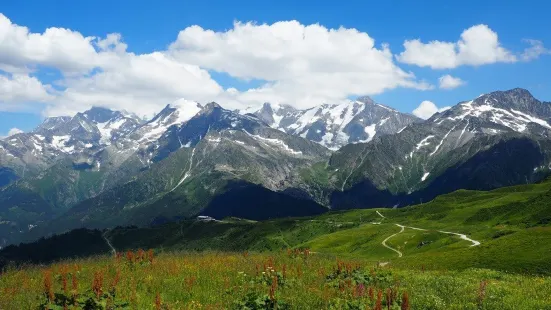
x=450, y=243
x=103, y=168
x=461, y=197
x=273, y=155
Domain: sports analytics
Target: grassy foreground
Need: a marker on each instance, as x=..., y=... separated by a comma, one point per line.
x=463, y=250
x=285, y=279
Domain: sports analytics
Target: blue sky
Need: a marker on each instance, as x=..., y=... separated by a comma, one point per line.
x=146, y=27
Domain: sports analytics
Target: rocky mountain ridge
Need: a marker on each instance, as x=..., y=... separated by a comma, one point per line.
x=334, y=126
x=102, y=168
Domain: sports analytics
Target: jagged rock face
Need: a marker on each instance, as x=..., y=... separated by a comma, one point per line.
x=513, y=110
x=101, y=153
x=211, y=118
x=79, y=138
x=334, y=126
x=104, y=168
x=414, y=160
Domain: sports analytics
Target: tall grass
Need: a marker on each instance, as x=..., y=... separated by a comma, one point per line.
x=281, y=280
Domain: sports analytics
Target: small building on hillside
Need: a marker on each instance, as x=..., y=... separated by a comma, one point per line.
x=205, y=218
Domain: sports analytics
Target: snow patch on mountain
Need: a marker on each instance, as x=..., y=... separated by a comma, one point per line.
x=422, y=143
x=59, y=143
x=327, y=138
x=532, y=119
x=106, y=129
x=308, y=117
x=370, y=131
x=185, y=110
x=333, y=126
x=275, y=142
x=442, y=141
x=425, y=176
x=485, y=108
x=176, y=113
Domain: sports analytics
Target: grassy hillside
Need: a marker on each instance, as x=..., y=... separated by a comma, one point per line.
x=276, y=280
x=463, y=250
x=513, y=237
x=510, y=220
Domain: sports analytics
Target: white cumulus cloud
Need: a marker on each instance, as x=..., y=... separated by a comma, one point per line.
x=96, y=72
x=449, y=82
x=14, y=131
x=142, y=84
x=478, y=45
x=61, y=48
x=535, y=50
x=302, y=65
x=21, y=91
x=426, y=109
x=293, y=63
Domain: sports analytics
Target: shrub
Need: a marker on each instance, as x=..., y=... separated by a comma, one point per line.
x=256, y=301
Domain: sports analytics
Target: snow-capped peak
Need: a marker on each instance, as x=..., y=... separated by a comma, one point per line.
x=185, y=109
x=334, y=125
x=176, y=113
x=101, y=115
x=514, y=109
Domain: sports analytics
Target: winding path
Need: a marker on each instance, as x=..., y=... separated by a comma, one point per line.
x=462, y=236
x=109, y=243
x=391, y=248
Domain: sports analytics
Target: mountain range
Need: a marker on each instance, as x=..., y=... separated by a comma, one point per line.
x=334, y=126
x=103, y=168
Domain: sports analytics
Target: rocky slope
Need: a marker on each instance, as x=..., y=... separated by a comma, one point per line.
x=104, y=168
x=187, y=154
x=497, y=139
x=334, y=126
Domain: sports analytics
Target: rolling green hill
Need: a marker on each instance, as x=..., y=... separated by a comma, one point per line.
x=510, y=224
x=463, y=250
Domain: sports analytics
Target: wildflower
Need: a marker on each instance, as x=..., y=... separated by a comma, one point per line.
x=273, y=289
x=482, y=292
x=370, y=293
x=379, y=302
x=97, y=284
x=360, y=290
x=64, y=280
x=74, y=286
x=158, y=301
x=405, y=301
x=389, y=300
x=116, y=279
x=140, y=255
x=48, y=285
x=74, y=281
